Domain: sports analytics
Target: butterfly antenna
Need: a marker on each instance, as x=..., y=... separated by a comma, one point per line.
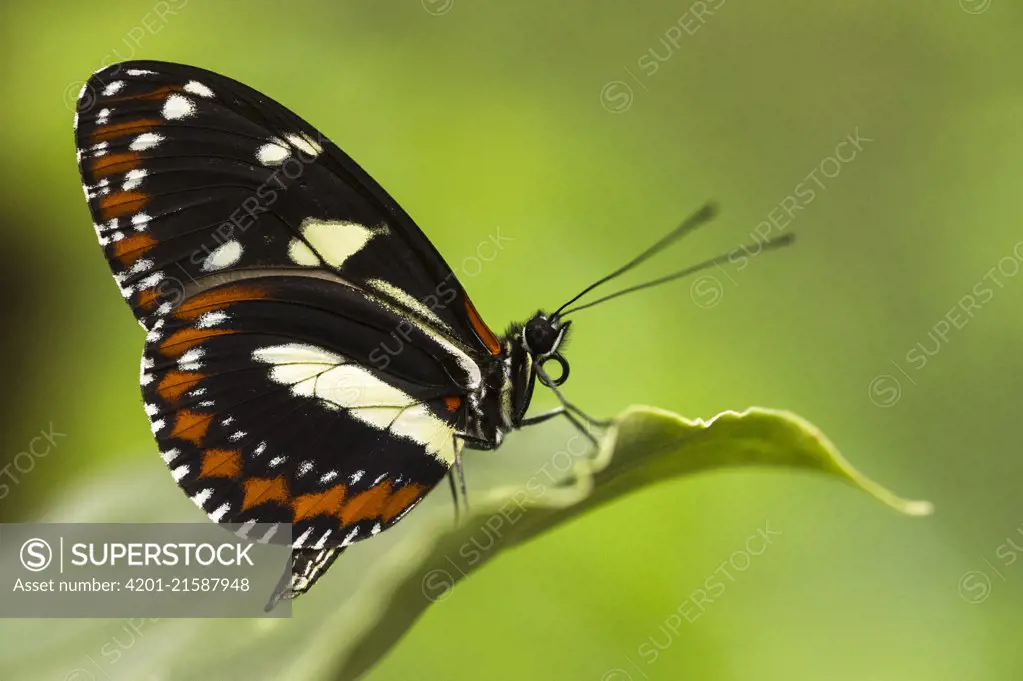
x=767, y=245
x=700, y=217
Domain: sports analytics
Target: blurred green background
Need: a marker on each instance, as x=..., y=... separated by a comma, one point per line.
x=583, y=131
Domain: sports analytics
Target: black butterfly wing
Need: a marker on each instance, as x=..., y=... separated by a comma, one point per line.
x=189, y=174
x=308, y=565
x=253, y=250
x=266, y=410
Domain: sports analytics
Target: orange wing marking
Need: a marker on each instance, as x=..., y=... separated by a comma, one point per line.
x=177, y=383
x=492, y=342
x=263, y=490
x=221, y=463
x=191, y=426
x=119, y=204
x=320, y=503
x=115, y=130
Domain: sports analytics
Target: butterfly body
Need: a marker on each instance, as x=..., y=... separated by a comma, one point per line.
x=501, y=405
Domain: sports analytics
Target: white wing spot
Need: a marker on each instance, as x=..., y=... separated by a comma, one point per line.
x=323, y=540
x=149, y=282
x=301, y=254
x=298, y=543
x=209, y=319
x=305, y=143
x=289, y=352
x=200, y=498
x=170, y=455
x=133, y=178
x=356, y=476
x=113, y=88
x=102, y=116
x=304, y=467
x=140, y=72
x=146, y=140
x=141, y=265
x=310, y=371
x=157, y=426
x=190, y=360
x=272, y=154
x=179, y=473
x=177, y=107
x=139, y=221
x=337, y=240
x=154, y=333
x=197, y=88
x=351, y=536
x=406, y=300
x=224, y=255
x=221, y=511
x=328, y=476
x=277, y=461
x=145, y=378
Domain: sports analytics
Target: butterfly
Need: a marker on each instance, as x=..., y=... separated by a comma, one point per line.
x=309, y=359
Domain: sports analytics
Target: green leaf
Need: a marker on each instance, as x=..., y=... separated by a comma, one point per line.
x=345, y=626
x=646, y=446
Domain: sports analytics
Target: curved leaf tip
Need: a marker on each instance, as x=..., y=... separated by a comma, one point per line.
x=786, y=440
x=643, y=447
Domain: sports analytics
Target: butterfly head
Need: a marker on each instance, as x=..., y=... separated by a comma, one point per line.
x=543, y=337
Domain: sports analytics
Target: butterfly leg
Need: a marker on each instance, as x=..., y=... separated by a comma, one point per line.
x=581, y=427
x=600, y=423
x=568, y=411
x=454, y=494
x=457, y=470
x=547, y=415
x=540, y=418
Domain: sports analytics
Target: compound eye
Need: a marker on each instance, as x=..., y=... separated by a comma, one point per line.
x=554, y=381
x=539, y=339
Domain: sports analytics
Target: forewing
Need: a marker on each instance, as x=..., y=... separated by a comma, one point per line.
x=189, y=174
